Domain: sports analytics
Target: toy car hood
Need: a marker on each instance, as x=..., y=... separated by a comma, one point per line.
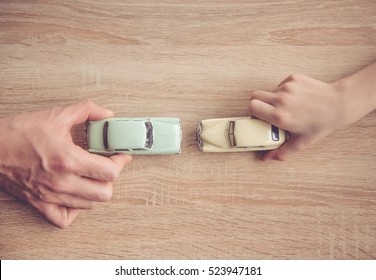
x=166, y=135
x=215, y=133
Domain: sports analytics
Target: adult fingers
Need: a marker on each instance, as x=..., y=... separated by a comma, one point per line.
x=84, y=188
x=98, y=167
x=85, y=110
x=63, y=199
x=74, y=185
x=60, y=216
x=264, y=96
x=121, y=159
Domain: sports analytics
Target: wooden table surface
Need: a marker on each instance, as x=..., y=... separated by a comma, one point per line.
x=196, y=60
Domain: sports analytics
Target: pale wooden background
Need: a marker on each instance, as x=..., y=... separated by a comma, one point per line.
x=196, y=60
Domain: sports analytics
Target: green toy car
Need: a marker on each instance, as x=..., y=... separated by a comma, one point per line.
x=138, y=136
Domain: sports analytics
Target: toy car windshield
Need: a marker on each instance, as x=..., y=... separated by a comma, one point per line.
x=231, y=135
x=149, y=135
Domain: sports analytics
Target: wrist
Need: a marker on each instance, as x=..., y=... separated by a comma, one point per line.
x=357, y=97
x=3, y=151
x=8, y=142
x=341, y=90
x=2, y=139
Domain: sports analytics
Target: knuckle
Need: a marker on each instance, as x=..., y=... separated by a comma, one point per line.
x=45, y=197
x=115, y=173
x=83, y=106
x=87, y=103
x=56, y=188
x=109, y=176
x=292, y=82
x=52, y=185
x=63, y=223
x=283, y=100
x=105, y=194
x=280, y=100
x=296, y=77
x=279, y=118
x=287, y=87
x=253, y=104
x=254, y=94
x=91, y=205
x=61, y=163
x=61, y=218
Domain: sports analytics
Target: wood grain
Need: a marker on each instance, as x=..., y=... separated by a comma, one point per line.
x=196, y=60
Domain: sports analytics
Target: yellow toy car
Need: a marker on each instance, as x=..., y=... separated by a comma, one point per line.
x=239, y=134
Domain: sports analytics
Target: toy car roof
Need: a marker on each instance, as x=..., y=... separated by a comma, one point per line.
x=251, y=132
x=126, y=134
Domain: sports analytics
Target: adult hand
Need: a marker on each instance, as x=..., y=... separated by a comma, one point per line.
x=41, y=164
